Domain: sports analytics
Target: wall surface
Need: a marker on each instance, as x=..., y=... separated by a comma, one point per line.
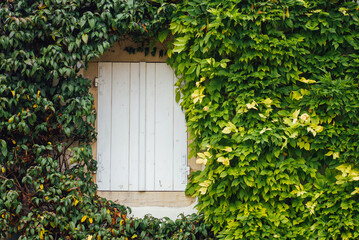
x=159, y=204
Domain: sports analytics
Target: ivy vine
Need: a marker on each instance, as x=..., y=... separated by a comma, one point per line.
x=47, y=119
x=271, y=92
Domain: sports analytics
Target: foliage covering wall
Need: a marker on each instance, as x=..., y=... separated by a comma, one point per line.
x=46, y=187
x=271, y=95
x=270, y=90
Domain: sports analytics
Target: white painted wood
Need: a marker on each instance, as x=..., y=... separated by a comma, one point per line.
x=134, y=126
x=142, y=128
x=104, y=126
x=150, y=126
x=164, y=129
x=120, y=126
x=142, y=140
x=180, y=145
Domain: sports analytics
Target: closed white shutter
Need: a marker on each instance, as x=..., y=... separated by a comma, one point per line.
x=142, y=140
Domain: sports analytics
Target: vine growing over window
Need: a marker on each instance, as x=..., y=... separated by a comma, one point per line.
x=271, y=92
x=47, y=119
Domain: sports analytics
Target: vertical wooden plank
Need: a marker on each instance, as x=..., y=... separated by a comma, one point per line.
x=104, y=126
x=134, y=126
x=180, y=146
x=164, y=128
x=142, y=133
x=150, y=125
x=120, y=127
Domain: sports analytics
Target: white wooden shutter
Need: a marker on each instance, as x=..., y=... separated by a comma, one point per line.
x=142, y=140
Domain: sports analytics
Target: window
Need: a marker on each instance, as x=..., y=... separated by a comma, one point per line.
x=142, y=139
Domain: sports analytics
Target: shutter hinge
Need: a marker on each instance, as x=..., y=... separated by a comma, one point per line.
x=188, y=170
x=96, y=82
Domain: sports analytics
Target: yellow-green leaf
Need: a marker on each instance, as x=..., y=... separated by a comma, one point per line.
x=83, y=218
x=41, y=235
x=201, y=161
x=302, y=79
x=85, y=38
x=223, y=160
x=226, y=130
x=329, y=153
x=252, y=105
x=228, y=149
x=296, y=113
x=296, y=95
x=267, y=101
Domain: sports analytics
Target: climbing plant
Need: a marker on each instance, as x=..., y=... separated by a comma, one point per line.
x=47, y=119
x=271, y=94
x=270, y=90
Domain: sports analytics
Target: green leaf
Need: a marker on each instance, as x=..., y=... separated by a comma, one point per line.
x=191, y=69
x=85, y=38
x=92, y=23
x=3, y=148
x=163, y=35
x=67, y=131
x=72, y=226
x=178, y=95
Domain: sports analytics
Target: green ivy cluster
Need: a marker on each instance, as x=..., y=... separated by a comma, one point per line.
x=271, y=94
x=47, y=119
x=183, y=228
x=270, y=90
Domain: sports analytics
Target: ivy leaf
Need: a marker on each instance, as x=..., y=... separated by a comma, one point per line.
x=178, y=95
x=3, y=148
x=83, y=218
x=72, y=226
x=180, y=44
x=85, y=38
x=227, y=130
x=223, y=160
x=92, y=22
x=296, y=95
x=252, y=105
x=329, y=153
x=228, y=149
x=163, y=35
x=67, y=131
